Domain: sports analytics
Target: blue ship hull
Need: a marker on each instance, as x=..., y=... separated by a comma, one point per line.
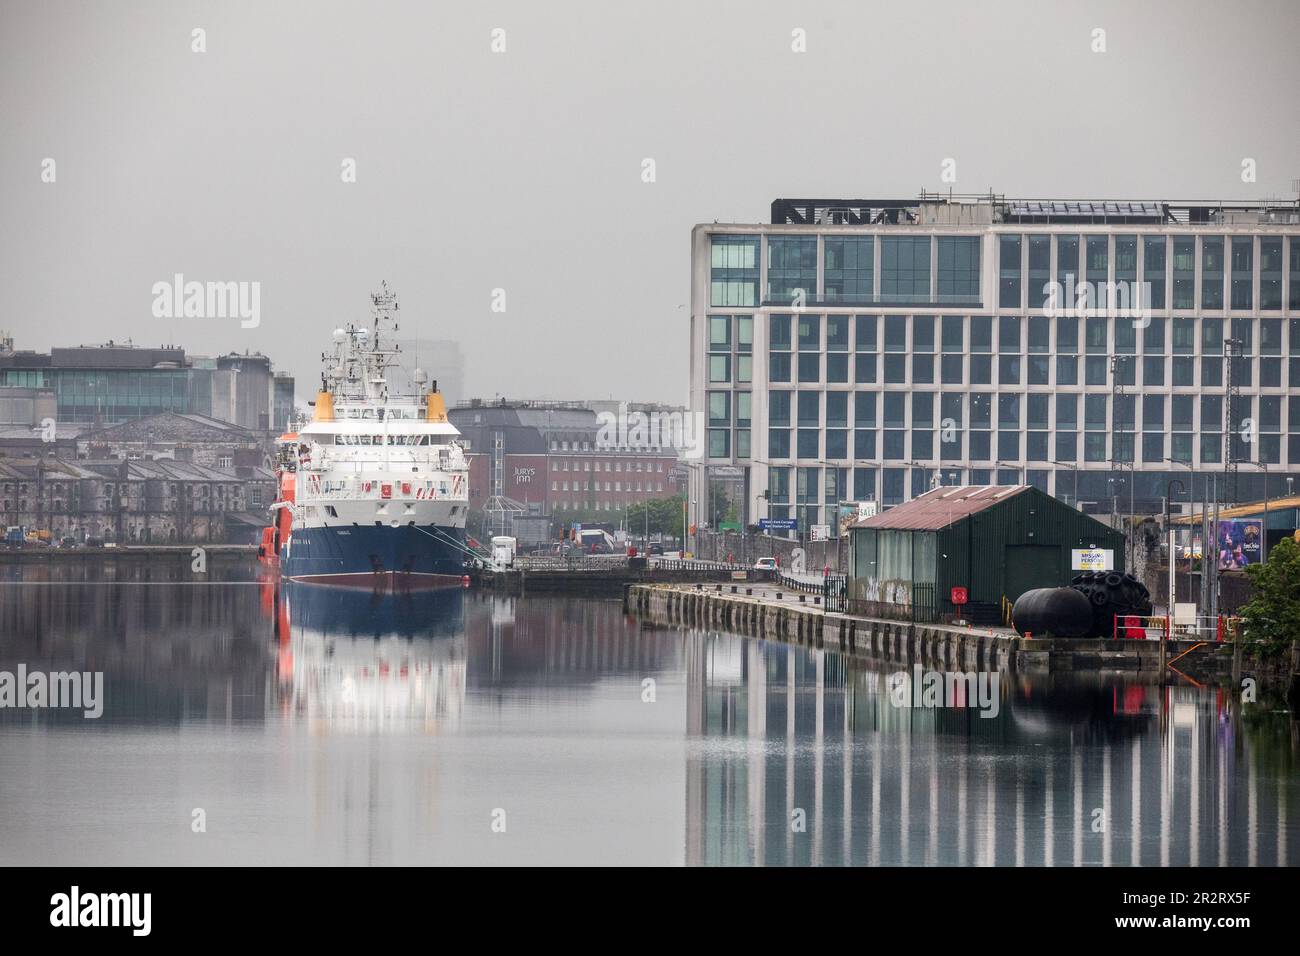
x=361, y=556
x=353, y=613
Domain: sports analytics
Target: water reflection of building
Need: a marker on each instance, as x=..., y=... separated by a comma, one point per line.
x=520, y=641
x=170, y=651
x=1070, y=772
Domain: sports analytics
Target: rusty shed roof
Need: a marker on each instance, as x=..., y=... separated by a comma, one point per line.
x=941, y=507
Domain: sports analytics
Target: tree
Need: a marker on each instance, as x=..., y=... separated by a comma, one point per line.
x=665, y=517
x=1272, y=617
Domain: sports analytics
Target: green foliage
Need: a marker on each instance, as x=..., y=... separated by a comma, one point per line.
x=665, y=517
x=1273, y=615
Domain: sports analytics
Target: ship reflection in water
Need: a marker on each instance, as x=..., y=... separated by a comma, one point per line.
x=321, y=726
x=384, y=660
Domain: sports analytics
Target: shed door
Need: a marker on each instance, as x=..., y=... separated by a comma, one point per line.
x=1030, y=566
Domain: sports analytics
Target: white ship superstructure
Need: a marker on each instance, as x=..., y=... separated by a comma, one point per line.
x=381, y=484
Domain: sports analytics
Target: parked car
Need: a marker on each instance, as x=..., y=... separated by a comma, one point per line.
x=765, y=564
x=656, y=550
x=94, y=542
x=68, y=541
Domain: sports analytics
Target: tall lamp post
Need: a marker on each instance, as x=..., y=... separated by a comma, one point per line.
x=1169, y=527
x=1016, y=466
x=920, y=467
x=1263, y=545
x=1074, y=470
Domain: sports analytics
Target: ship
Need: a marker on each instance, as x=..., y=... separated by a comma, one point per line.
x=374, y=489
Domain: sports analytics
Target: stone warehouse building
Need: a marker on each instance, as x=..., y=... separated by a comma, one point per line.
x=136, y=502
x=855, y=350
x=180, y=437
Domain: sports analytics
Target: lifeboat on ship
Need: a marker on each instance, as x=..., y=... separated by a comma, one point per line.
x=276, y=534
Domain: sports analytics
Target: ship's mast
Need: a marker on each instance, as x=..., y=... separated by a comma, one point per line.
x=383, y=308
x=357, y=368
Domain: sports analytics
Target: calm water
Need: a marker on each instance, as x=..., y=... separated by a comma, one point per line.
x=336, y=728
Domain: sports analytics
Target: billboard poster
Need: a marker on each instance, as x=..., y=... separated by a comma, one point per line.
x=848, y=514
x=850, y=511
x=1189, y=550
x=1092, y=559
x=1240, y=543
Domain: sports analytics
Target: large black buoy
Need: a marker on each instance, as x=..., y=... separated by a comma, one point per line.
x=1111, y=593
x=1054, y=612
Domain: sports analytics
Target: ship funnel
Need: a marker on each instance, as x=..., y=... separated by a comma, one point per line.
x=324, y=407
x=437, y=408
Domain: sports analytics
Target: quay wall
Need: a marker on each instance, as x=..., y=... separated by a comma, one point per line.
x=943, y=647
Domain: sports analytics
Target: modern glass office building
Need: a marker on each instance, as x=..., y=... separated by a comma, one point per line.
x=855, y=350
x=116, y=383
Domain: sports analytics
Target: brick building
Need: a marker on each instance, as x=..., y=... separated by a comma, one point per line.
x=549, y=456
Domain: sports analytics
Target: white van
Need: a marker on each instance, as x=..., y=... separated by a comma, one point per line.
x=503, y=552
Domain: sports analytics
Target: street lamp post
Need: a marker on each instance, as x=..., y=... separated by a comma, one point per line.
x=1263, y=546
x=1022, y=469
x=1074, y=470
x=917, y=465
x=1169, y=527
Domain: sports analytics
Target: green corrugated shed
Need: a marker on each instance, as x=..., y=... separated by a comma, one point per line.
x=996, y=541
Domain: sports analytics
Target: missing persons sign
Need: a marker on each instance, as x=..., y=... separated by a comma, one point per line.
x=1092, y=559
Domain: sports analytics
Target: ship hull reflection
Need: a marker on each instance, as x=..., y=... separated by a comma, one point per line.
x=369, y=659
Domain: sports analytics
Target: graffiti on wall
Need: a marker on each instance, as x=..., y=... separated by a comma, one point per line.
x=886, y=592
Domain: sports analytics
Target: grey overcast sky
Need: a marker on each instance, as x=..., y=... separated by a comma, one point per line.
x=522, y=170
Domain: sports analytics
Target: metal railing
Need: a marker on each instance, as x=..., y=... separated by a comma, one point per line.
x=809, y=583
x=608, y=562
x=571, y=562
x=372, y=489
x=695, y=564
x=1204, y=627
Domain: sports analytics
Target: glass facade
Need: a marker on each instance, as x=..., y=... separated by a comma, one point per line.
x=850, y=268
x=958, y=269
x=791, y=269
x=884, y=380
x=905, y=269
x=107, y=395
x=733, y=271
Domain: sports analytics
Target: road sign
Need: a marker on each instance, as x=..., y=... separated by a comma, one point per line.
x=959, y=596
x=779, y=524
